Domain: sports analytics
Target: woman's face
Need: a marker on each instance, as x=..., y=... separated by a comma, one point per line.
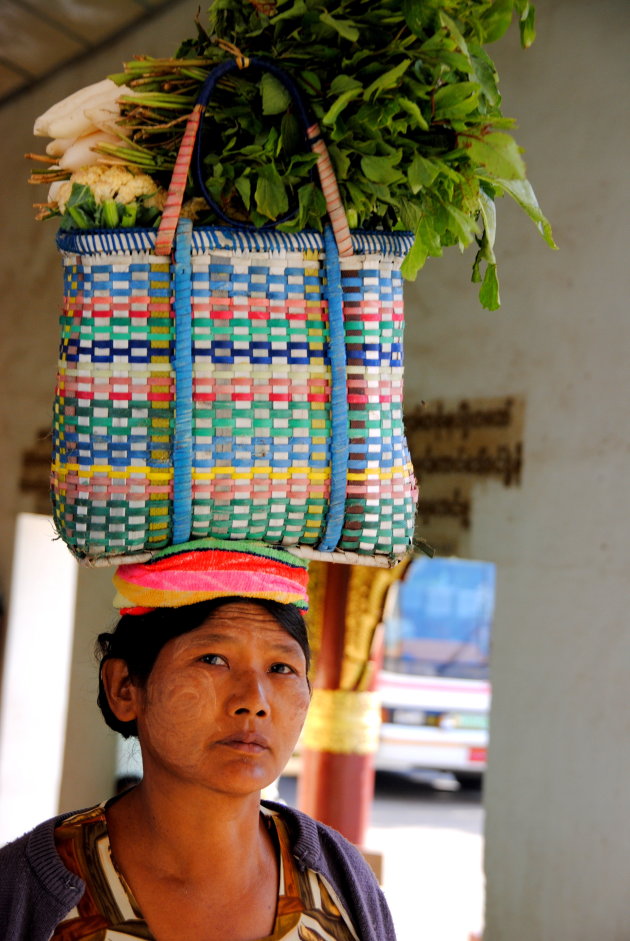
x=224, y=704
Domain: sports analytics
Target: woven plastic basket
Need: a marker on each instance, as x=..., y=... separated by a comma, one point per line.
x=246, y=385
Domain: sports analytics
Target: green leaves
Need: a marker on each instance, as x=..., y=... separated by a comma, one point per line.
x=342, y=83
x=337, y=107
x=296, y=11
x=244, y=189
x=82, y=211
x=381, y=169
x=419, y=14
x=406, y=96
x=426, y=242
x=414, y=112
x=489, y=291
x=497, y=153
x=522, y=193
x=422, y=172
x=495, y=20
x=387, y=80
x=484, y=74
x=345, y=28
x=455, y=101
x=275, y=98
x=271, y=196
x=528, y=26
x=110, y=213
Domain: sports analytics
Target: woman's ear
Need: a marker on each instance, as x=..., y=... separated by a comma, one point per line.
x=121, y=691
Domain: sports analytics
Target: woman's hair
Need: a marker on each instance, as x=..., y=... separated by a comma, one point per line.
x=138, y=639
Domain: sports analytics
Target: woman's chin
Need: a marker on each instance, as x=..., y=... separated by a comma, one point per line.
x=245, y=779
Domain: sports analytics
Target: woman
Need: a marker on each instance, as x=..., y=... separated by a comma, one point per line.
x=209, y=667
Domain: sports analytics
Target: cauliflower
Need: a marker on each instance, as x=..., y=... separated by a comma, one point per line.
x=109, y=182
x=192, y=208
x=59, y=194
x=106, y=197
x=135, y=186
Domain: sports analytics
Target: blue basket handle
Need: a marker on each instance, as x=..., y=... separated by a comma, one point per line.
x=204, y=98
x=191, y=151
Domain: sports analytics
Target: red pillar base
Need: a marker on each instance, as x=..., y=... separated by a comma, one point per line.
x=338, y=790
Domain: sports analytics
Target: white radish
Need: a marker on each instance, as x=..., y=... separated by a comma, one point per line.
x=81, y=153
x=67, y=118
x=74, y=125
x=105, y=119
x=70, y=104
x=58, y=146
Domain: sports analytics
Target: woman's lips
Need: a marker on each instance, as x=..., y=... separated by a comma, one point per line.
x=248, y=742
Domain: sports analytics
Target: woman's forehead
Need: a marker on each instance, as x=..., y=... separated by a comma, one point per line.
x=239, y=622
x=241, y=613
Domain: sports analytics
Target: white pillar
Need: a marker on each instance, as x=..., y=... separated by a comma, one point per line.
x=36, y=676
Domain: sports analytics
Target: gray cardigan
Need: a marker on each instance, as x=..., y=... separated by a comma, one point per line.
x=37, y=891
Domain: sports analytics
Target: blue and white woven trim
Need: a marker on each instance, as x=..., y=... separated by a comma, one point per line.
x=123, y=241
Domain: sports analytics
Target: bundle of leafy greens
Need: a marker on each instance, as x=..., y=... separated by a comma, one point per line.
x=405, y=94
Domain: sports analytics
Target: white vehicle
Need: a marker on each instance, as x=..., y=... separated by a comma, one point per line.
x=434, y=684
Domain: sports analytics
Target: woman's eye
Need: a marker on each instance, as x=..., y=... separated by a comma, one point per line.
x=281, y=668
x=215, y=659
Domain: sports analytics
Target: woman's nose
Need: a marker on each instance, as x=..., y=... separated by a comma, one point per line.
x=249, y=695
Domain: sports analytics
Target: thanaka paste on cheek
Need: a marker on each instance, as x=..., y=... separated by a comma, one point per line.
x=179, y=716
x=188, y=691
x=182, y=699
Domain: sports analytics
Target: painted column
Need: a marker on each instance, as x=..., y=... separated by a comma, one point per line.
x=341, y=733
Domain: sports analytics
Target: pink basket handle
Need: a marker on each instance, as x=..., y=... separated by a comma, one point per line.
x=330, y=189
x=177, y=187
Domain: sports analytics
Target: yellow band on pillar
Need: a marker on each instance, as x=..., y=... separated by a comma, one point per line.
x=343, y=721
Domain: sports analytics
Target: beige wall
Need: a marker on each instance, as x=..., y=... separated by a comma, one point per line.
x=30, y=289
x=558, y=827
x=558, y=831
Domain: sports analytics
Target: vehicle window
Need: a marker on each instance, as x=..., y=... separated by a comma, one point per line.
x=440, y=621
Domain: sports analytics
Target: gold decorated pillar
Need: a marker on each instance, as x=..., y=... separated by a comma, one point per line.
x=341, y=733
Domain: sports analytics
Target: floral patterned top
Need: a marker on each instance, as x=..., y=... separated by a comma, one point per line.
x=308, y=908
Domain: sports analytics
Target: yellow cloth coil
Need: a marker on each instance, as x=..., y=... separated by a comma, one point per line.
x=343, y=721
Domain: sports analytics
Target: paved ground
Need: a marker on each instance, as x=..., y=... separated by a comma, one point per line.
x=431, y=838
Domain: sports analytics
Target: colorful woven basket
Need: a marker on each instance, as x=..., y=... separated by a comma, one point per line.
x=246, y=386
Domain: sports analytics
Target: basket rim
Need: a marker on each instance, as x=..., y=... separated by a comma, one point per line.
x=339, y=556
x=208, y=238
